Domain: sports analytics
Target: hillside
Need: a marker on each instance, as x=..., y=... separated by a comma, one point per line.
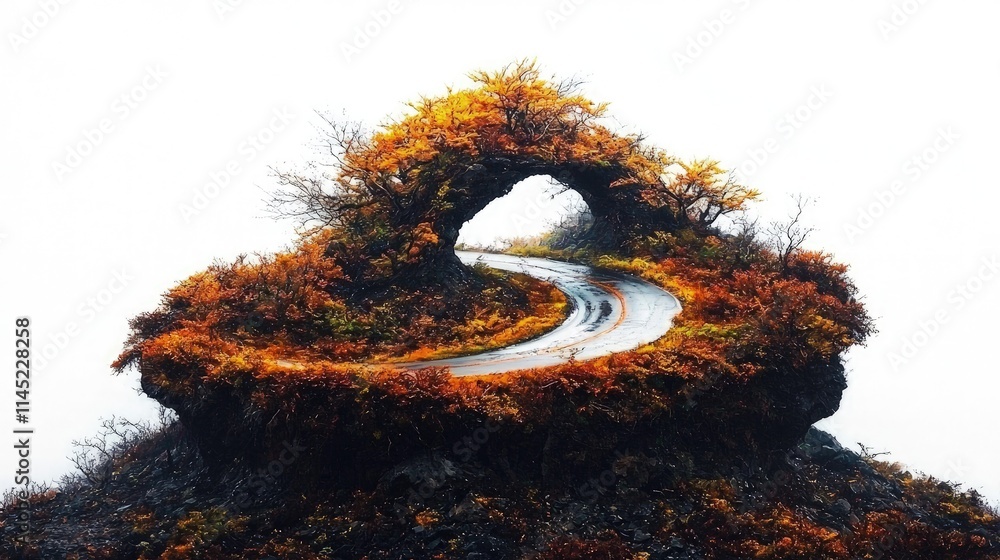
x=295, y=439
x=817, y=501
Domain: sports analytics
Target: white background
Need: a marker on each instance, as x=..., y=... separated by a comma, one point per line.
x=891, y=90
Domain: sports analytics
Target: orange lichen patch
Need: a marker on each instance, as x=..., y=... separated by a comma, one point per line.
x=199, y=532
x=427, y=519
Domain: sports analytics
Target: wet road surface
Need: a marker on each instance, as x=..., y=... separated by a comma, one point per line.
x=609, y=313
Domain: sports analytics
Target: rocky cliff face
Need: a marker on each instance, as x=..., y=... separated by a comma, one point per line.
x=552, y=424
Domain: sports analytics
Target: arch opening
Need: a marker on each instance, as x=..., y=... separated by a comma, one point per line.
x=538, y=210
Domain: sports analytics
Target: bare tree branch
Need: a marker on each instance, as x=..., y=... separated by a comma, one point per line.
x=786, y=238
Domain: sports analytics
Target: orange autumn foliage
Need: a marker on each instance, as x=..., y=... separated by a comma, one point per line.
x=400, y=193
x=253, y=355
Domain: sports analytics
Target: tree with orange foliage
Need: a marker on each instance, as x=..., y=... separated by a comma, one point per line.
x=699, y=192
x=415, y=181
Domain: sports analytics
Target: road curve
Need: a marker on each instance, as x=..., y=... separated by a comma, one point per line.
x=608, y=313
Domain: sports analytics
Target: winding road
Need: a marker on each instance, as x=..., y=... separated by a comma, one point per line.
x=609, y=313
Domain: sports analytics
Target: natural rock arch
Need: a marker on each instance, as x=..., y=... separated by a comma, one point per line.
x=618, y=213
x=396, y=199
x=401, y=195
x=252, y=355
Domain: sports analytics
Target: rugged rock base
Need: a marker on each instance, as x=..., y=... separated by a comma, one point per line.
x=817, y=501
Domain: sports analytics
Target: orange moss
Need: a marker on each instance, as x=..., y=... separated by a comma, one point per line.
x=547, y=308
